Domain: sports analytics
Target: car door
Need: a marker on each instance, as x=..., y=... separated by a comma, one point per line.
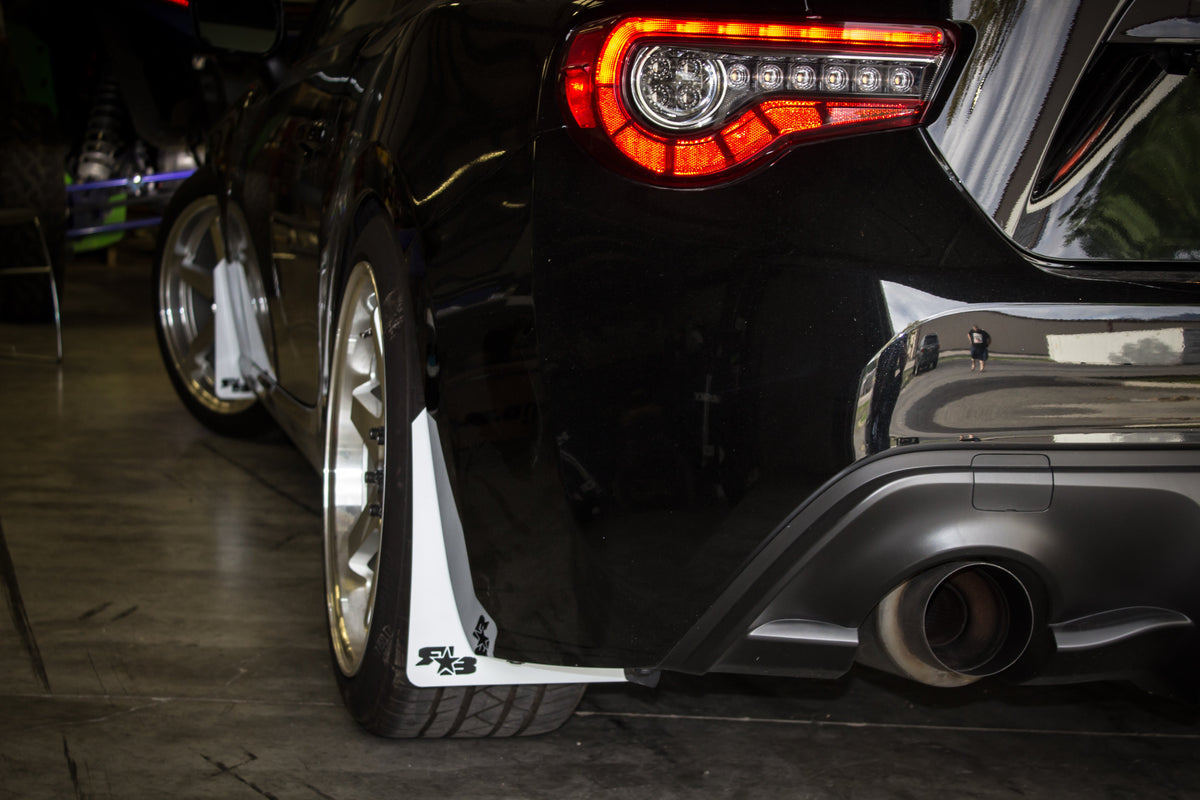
x=291, y=170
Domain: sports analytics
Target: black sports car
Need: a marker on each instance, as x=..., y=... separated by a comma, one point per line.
x=605, y=322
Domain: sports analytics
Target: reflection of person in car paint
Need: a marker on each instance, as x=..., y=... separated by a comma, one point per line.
x=980, y=341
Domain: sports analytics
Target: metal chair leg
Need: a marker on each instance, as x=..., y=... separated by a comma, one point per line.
x=24, y=216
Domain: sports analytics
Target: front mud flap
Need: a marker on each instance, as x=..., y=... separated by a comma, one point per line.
x=240, y=353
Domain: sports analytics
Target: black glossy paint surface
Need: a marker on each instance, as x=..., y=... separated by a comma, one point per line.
x=1136, y=197
x=701, y=362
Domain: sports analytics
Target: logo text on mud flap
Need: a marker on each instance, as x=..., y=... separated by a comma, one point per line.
x=481, y=638
x=447, y=663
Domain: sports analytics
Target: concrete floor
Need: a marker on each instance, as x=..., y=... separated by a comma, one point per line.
x=163, y=637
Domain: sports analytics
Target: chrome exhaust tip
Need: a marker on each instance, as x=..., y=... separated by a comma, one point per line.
x=955, y=624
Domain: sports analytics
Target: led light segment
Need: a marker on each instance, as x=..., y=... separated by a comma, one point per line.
x=901, y=80
x=770, y=76
x=868, y=80
x=699, y=156
x=804, y=77
x=738, y=76
x=836, y=79
x=692, y=98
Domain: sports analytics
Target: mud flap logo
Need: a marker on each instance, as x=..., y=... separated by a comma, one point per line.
x=447, y=663
x=482, y=642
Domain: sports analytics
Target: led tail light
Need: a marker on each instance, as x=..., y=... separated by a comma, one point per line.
x=683, y=101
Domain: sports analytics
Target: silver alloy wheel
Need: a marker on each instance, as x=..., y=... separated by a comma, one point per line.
x=194, y=246
x=354, y=469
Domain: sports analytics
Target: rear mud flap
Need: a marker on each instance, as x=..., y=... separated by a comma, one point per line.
x=451, y=637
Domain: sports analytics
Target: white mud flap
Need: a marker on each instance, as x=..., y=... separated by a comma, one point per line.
x=240, y=353
x=451, y=637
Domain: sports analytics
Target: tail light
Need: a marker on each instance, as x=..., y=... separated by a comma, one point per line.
x=685, y=101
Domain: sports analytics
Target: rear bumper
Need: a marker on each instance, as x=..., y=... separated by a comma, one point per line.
x=1107, y=543
x=1057, y=374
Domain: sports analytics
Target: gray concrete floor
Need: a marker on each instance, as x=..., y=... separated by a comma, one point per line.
x=163, y=638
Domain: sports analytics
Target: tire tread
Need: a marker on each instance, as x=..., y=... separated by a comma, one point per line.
x=474, y=712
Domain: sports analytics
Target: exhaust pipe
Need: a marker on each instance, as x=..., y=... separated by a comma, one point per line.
x=953, y=625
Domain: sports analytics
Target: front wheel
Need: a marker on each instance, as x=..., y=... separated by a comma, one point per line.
x=192, y=241
x=373, y=396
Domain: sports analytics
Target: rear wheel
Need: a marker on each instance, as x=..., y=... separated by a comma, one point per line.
x=373, y=396
x=192, y=240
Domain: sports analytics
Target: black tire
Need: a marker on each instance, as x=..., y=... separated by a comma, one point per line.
x=32, y=158
x=182, y=307
x=368, y=634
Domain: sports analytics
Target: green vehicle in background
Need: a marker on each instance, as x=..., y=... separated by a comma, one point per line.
x=103, y=107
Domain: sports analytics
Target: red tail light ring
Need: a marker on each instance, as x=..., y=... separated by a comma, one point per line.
x=685, y=101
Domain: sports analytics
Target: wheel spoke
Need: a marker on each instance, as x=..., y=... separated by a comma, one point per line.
x=198, y=279
x=200, y=347
x=363, y=546
x=218, y=239
x=366, y=409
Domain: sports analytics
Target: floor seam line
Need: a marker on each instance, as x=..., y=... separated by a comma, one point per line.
x=889, y=725
x=58, y=696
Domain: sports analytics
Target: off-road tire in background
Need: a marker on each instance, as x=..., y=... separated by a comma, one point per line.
x=32, y=160
x=375, y=390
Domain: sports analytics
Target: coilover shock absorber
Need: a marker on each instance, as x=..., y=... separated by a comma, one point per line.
x=98, y=158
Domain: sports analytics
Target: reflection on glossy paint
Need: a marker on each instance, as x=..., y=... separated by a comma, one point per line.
x=459, y=173
x=1006, y=83
x=1165, y=347
x=1128, y=179
x=1139, y=438
x=1117, y=374
x=906, y=305
x=1134, y=198
x=348, y=80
